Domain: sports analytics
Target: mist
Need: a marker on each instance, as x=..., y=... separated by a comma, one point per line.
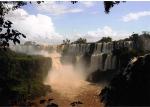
x=66, y=79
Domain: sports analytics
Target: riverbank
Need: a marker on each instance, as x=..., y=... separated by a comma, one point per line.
x=88, y=95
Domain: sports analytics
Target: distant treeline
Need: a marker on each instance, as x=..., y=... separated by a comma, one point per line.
x=21, y=77
x=134, y=37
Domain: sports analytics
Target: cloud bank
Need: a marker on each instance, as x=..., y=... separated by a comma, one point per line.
x=135, y=16
x=88, y=3
x=60, y=8
x=93, y=36
x=57, y=8
x=39, y=28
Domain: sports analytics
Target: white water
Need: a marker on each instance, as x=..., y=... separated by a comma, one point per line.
x=64, y=79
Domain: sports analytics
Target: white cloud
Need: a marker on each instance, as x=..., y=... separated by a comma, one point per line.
x=40, y=28
x=93, y=36
x=135, y=16
x=88, y=3
x=57, y=8
x=37, y=28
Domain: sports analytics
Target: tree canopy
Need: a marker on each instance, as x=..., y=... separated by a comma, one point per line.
x=7, y=33
x=80, y=40
x=66, y=42
x=105, y=39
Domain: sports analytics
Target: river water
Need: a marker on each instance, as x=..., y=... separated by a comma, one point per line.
x=69, y=85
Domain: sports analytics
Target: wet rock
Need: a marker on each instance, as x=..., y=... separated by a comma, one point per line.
x=50, y=99
x=52, y=105
x=131, y=86
x=42, y=101
x=75, y=103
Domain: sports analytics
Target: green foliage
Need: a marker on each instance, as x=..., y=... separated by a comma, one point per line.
x=109, y=4
x=139, y=39
x=22, y=76
x=105, y=39
x=7, y=33
x=146, y=34
x=80, y=41
x=66, y=42
x=134, y=36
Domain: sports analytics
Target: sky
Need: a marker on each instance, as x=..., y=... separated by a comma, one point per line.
x=51, y=22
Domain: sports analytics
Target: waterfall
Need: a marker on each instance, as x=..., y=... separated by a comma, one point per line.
x=108, y=62
x=72, y=48
x=64, y=78
x=87, y=48
x=145, y=43
x=107, y=47
x=98, y=48
x=96, y=62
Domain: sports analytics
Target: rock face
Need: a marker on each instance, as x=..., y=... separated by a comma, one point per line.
x=131, y=86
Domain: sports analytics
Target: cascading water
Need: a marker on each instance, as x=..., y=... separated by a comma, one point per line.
x=69, y=81
x=64, y=78
x=108, y=62
x=96, y=62
x=69, y=84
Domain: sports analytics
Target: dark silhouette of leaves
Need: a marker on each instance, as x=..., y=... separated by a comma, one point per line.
x=7, y=33
x=73, y=2
x=109, y=4
x=131, y=86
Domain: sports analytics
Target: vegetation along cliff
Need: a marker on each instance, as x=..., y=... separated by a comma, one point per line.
x=22, y=77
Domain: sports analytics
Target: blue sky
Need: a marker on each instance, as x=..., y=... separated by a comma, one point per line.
x=88, y=19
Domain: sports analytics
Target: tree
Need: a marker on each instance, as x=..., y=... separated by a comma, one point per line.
x=105, y=39
x=66, y=42
x=80, y=40
x=8, y=34
x=146, y=34
x=109, y=4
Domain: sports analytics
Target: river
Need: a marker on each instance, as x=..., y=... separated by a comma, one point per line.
x=69, y=85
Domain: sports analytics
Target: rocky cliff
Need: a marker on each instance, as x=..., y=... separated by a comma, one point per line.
x=131, y=86
x=21, y=77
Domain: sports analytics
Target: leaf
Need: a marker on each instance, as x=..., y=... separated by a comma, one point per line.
x=13, y=31
x=18, y=41
x=23, y=36
x=1, y=29
x=8, y=31
x=73, y=2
